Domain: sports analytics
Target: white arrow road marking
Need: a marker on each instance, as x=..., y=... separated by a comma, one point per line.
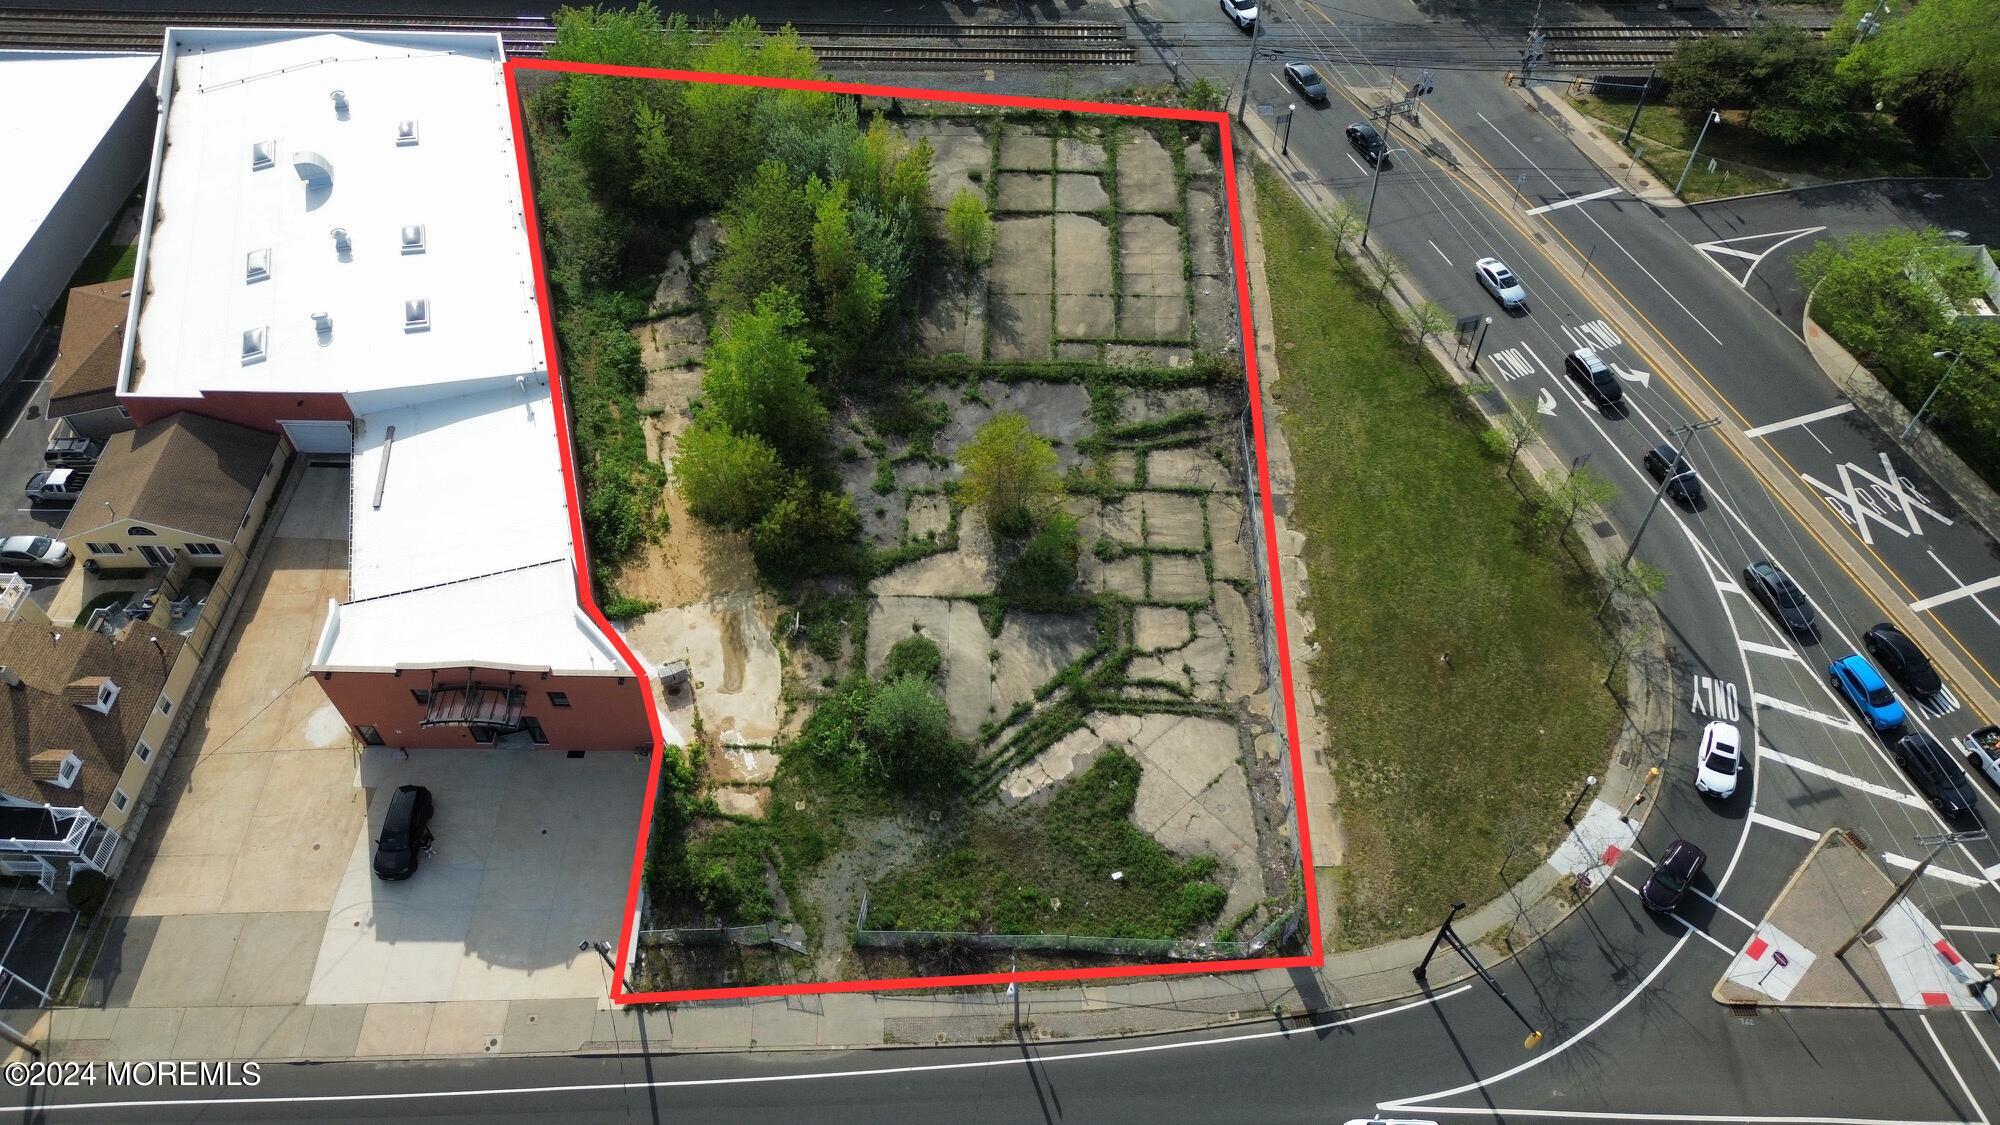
x=1848, y=780
x=1643, y=378
x=1572, y=201
x=1791, y=708
x=1545, y=403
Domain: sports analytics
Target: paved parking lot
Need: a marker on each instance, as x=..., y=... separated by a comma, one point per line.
x=24, y=433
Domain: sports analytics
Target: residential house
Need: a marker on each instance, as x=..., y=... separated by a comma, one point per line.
x=185, y=483
x=83, y=384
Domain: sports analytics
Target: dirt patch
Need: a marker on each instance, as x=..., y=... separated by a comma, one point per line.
x=874, y=848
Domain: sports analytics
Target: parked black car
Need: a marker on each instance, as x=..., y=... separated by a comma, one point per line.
x=1899, y=656
x=1594, y=376
x=1943, y=782
x=70, y=451
x=1683, y=483
x=1367, y=140
x=1669, y=881
x=1768, y=583
x=406, y=832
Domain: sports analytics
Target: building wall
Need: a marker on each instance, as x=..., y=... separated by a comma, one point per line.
x=605, y=712
x=127, y=557
x=257, y=410
x=132, y=782
x=39, y=277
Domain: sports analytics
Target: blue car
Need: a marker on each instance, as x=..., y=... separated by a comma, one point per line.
x=1855, y=678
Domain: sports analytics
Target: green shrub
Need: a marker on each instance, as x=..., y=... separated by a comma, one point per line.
x=807, y=531
x=87, y=891
x=1042, y=575
x=727, y=479
x=621, y=607
x=908, y=733
x=1010, y=471
x=915, y=655
x=968, y=229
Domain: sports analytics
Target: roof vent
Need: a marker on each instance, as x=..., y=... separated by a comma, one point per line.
x=257, y=266
x=406, y=132
x=340, y=104
x=253, y=346
x=341, y=245
x=413, y=239
x=263, y=154
x=417, y=314
x=323, y=324
x=314, y=169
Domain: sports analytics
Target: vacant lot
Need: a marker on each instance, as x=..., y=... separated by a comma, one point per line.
x=1459, y=664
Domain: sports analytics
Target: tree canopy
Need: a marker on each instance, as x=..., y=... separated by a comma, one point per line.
x=1010, y=471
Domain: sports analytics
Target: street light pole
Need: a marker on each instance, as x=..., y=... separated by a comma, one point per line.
x=1381, y=158
x=1711, y=119
x=1291, y=111
x=1248, y=63
x=1423, y=968
x=1918, y=416
x=1902, y=888
x=1626, y=140
x=1666, y=478
x=1589, y=783
x=1480, y=341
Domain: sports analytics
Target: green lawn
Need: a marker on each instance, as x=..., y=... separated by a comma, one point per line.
x=1417, y=547
x=1748, y=162
x=106, y=262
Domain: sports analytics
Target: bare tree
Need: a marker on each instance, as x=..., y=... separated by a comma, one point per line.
x=1341, y=223
x=1565, y=501
x=1519, y=431
x=1385, y=269
x=1426, y=320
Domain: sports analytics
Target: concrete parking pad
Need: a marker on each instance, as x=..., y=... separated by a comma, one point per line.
x=1178, y=578
x=1149, y=257
x=1173, y=519
x=957, y=151
x=1024, y=191
x=1025, y=149
x=1085, y=318
x=1146, y=179
x=1022, y=325
x=1083, y=255
x=1208, y=230
x=1023, y=253
x=1074, y=155
x=1187, y=466
x=1080, y=191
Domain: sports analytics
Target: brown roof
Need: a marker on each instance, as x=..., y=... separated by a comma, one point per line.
x=47, y=765
x=38, y=721
x=85, y=376
x=84, y=691
x=186, y=472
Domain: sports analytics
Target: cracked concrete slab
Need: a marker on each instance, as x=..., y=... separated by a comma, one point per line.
x=1022, y=148
x=1080, y=191
x=1075, y=155
x=1022, y=326
x=1024, y=191
x=1160, y=627
x=1187, y=466
x=1023, y=254
x=1173, y=519
x=1153, y=318
x=1083, y=255
x=1080, y=316
x=1149, y=257
x=1146, y=180
x=1178, y=578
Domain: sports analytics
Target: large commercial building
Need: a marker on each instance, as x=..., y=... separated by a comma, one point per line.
x=337, y=252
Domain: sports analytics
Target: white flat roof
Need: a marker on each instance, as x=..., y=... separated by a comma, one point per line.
x=524, y=617
x=468, y=556
x=57, y=108
x=333, y=319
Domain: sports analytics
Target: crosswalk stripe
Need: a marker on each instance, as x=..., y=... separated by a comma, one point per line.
x=1770, y=650
x=1848, y=780
x=1945, y=873
x=1790, y=708
x=1784, y=826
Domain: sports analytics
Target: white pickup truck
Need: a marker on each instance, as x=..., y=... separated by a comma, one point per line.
x=1982, y=752
x=57, y=486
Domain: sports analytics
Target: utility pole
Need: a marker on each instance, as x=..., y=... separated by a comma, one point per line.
x=1381, y=158
x=1688, y=431
x=1626, y=140
x=1255, y=26
x=1386, y=114
x=1712, y=118
x=1939, y=844
x=1919, y=415
x=1422, y=971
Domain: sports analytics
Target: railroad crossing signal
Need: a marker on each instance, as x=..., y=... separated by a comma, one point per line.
x=1423, y=86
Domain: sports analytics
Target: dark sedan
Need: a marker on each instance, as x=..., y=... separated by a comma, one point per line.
x=1683, y=483
x=1307, y=80
x=1367, y=140
x=1899, y=656
x=406, y=832
x=1768, y=583
x=1662, y=891
x=1950, y=792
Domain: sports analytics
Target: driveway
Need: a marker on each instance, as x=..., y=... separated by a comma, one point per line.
x=248, y=923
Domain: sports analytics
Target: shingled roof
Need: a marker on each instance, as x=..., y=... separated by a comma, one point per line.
x=186, y=472
x=85, y=376
x=43, y=725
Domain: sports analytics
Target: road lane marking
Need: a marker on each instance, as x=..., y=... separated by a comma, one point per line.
x=1953, y=575
x=1785, y=826
x=1846, y=779
x=1572, y=201
x=1973, y=1028
x=1441, y=254
x=1712, y=900
x=1770, y=650
x=1713, y=697
x=1728, y=587
x=1945, y=873
x=1691, y=927
x=1946, y=1055
x=1721, y=246
x=1971, y=929
x=1803, y=419
x=1357, y=164
x=752, y=1079
x=1791, y=708
x=1965, y=591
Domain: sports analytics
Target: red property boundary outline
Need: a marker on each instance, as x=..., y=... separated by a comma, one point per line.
x=619, y=995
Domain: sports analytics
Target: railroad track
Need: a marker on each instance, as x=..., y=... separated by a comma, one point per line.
x=871, y=44
x=1601, y=45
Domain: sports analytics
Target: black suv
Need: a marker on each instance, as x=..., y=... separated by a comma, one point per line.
x=1899, y=656
x=1596, y=379
x=406, y=832
x=1782, y=596
x=1949, y=790
x=1683, y=484
x=1368, y=142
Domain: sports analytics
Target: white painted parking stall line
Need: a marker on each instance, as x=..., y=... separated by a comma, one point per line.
x=1790, y=708
x=1849, y=780
x=1572, y=201
x=1801, y=420
x=1769, y=650
x=1785, y=826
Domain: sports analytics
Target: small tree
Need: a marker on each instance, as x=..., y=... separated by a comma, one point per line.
x=1385, y=269
x=1517, y=432
x=968, y=228
x=1010, y=471
x=727, y=479
x=1203, y=94
x=1578, y=490
x=1706, y=73
x=757, y=380
x=1342, y=222
x=908, y=732
x=1042, y=574
x=807, y=531
x=1427, y=320
x=914, y=655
